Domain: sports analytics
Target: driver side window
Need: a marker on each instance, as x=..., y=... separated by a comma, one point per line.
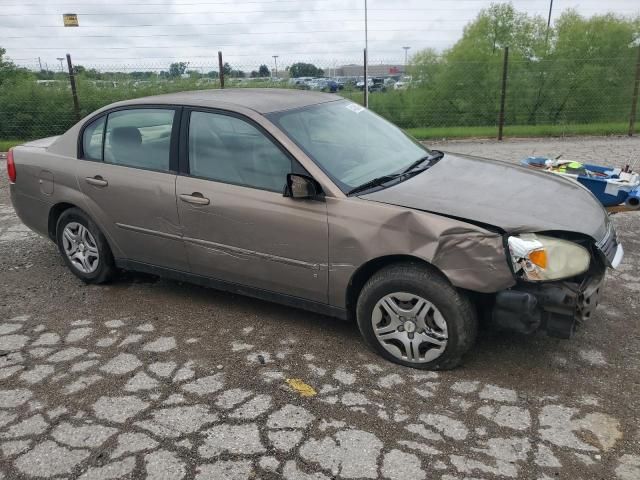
x=230, y=150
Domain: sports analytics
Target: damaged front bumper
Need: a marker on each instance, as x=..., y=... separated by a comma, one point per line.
x=558, y=307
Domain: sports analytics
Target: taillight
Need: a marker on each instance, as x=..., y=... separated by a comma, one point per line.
x=11, y=167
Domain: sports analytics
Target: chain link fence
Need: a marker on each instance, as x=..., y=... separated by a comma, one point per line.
x=437, y=93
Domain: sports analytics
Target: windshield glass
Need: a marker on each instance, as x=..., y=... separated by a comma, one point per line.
x=350, y=143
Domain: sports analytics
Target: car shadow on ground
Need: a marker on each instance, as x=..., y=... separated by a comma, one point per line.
x=493, y=346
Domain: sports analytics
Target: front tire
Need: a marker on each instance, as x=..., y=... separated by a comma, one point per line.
x=83, y=247
x=411, y=315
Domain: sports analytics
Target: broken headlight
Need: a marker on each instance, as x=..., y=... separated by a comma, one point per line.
x=541, y=258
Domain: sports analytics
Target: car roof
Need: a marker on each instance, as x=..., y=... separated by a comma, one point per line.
x=262, y=100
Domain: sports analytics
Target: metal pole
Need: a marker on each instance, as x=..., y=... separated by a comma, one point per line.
x=634, y=98
x=221, y=70
x=546, y=38
x=275, y=61
x=504, y=92
x=366, y=55
x=366, y=87
x=74, y=93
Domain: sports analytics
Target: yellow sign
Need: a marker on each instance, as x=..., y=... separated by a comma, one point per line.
x=70, y=19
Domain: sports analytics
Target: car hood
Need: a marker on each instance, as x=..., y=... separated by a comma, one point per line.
x=513, y=198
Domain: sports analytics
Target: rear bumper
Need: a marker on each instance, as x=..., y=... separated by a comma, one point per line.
x=33, y=212
x=557, y=307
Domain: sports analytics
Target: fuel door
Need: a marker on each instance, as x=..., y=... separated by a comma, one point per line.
x=46, y=182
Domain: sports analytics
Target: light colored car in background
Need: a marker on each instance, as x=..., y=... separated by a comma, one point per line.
x=315, y=202
x=403, y=83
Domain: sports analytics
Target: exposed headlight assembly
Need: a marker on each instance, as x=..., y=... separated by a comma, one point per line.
x=541, y=258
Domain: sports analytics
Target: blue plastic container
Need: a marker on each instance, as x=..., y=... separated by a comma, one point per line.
x=604, y=182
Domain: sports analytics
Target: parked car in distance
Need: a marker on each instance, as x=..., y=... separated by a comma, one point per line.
x=315, y=202
x=403, y=83
x=360, y=83
x=378, y=85
x=375, y=84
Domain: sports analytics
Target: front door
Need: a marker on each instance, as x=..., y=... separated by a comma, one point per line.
x=129, y=184
x=238, y=226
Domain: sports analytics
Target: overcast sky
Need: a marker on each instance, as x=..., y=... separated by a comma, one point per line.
x=138, y=34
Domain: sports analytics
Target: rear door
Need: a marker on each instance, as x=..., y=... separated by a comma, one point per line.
x=238, y=226
x=129, y=180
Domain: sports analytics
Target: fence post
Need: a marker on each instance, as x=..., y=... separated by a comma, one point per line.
x=634, y=98
x=74, y=93
x=220, y=69
x=504, y=92
x=366, y=82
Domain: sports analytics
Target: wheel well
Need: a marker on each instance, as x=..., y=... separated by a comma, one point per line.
x=54, y=215
x=364, y=273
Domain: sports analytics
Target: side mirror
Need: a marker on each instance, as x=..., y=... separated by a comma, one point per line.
x=301, y=186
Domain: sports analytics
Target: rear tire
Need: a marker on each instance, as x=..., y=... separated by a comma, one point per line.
x=412, y=316
x=83, y=247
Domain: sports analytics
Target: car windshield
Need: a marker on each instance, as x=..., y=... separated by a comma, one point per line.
x=349, y=143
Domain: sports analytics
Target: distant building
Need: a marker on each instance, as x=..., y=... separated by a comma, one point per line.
x=380, y=70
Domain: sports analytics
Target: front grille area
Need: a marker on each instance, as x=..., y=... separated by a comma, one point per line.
x=609, y=243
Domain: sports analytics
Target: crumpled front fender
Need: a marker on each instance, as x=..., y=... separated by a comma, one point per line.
x=474, y=259
x=360, y=231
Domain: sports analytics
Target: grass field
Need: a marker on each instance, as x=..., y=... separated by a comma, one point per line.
x=510, y=131
x=7, y=144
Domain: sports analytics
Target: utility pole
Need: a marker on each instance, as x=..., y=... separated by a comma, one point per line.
x=366, y=57
x=60, y=59
x=406, y=50
x=40, y=63
x=275, y=61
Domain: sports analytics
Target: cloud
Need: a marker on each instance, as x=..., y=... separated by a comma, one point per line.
x=141, y=35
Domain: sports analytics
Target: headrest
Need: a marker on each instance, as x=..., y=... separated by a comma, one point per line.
x=129, y=135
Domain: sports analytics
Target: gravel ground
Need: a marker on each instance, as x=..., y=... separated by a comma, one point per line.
x=148, y=378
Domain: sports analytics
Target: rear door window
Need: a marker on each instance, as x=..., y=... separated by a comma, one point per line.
x=139, y=138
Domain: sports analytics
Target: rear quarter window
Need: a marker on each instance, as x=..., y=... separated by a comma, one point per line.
x=92, y=140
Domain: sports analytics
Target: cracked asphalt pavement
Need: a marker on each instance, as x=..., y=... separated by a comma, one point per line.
x=149, y=378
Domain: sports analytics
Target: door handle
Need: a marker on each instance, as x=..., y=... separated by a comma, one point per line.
x=97, y=181
x=196, y=198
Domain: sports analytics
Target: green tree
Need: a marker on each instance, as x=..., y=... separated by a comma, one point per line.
x=301, y=69
x=9, y=72
x=79, y=69
x=226, y=69
x=177, y=69
x=263, y=71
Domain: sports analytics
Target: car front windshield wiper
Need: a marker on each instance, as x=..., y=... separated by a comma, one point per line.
x=374, y=183
x=434, y=157
x=410, y=171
